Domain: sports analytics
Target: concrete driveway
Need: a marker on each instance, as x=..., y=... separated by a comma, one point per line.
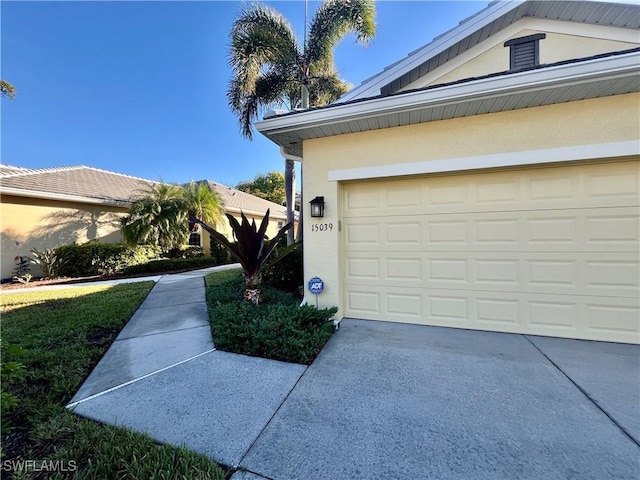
x=394, y=401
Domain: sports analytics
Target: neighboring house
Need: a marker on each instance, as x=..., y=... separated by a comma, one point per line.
x=489, y=180
x=236, y=201
x=46, y=208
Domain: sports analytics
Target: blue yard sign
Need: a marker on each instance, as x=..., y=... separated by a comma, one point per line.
x=316, y=286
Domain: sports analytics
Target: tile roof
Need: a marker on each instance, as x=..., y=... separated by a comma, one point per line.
x=110, y=187
x=9, y=169
x=79, y=181
x=237, y=200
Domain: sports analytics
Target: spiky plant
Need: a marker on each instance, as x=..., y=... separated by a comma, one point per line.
x=251, y=249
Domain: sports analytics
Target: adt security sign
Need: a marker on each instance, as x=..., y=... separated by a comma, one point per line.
x=316, y=286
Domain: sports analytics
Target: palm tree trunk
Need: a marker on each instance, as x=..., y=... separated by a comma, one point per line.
x=301, y=211
x=252, y=291
x=305, y=104
x=289, y=182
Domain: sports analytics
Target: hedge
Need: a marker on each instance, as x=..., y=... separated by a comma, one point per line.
x=94, y=258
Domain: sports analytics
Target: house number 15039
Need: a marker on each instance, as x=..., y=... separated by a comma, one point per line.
x=322, y=227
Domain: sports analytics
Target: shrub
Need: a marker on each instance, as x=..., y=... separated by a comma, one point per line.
x=251, y=249
x=218, y=252
x=281, y=332
x=22, y=270
x=94, y=258
x=186, y=251
x=170, y=265
x=277, y=328
x=287, y=273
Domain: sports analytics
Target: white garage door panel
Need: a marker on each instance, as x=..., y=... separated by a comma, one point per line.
x=611, y=229
x=551, y=251
x=585, y=186
x=588, y=317
x=557, y=273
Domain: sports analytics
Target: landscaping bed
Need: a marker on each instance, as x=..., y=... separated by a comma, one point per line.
x=278, y=328
x=63, y=335
x=153, y=267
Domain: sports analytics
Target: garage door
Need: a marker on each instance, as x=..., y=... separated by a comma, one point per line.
x=547, y=251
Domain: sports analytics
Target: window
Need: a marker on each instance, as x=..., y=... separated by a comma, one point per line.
x=280, y=224
x=195, y=239
x=524, y=51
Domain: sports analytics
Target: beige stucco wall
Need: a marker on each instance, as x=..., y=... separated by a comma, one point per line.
x=224, y=228
x=605, y=120
x=28, y=223
x=564, y=41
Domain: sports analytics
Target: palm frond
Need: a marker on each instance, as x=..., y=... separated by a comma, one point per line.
x=264, y=50
x=260, y=37
x=325, y=89
x=333, y=20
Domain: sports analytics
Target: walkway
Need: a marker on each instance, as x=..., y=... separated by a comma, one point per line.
x=163, y=376
x=382, y=400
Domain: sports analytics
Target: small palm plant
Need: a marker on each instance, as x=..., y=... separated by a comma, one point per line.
x=251, y=249
x=157, y=217
x=48, y=261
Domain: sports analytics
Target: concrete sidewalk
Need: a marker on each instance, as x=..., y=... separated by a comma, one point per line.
x=382, y=400
x=163, y=376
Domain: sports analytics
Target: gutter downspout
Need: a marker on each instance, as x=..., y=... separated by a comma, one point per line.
x=296, y=158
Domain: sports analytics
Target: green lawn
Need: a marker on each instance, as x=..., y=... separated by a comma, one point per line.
x=64, y=334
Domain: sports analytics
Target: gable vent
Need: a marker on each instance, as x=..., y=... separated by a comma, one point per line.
x=524, y=51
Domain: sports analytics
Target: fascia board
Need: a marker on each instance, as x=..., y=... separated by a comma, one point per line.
x=237, y=211
x=500, y=160
x=372, y=87
x=20, y=192
x=61, y=197
x=453, y=94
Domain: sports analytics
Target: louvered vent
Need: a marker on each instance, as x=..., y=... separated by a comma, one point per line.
x=524, y=51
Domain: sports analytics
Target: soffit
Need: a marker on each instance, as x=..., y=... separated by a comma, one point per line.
x=593, y=78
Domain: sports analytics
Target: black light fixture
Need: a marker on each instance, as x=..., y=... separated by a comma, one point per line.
x=317, y=207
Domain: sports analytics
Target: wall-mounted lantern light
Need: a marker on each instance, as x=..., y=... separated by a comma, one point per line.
x=317, y=207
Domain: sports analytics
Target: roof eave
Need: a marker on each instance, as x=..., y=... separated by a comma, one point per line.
x=290, y=130
x=484, y=17
x=255, y=213
x=489, y=18
x=20, y=192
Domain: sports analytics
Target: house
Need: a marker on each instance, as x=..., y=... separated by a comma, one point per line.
x=46, y=208
x=489, y=180
x=253, y=208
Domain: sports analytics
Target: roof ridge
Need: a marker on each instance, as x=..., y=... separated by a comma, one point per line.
x=244, y=193
x=119, y=174
x=34, y=171
x=37, y=171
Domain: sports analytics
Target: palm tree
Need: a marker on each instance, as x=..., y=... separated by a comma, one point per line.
x=7, y=90
x=159, y=216
x=271, y=68
x=203, y=203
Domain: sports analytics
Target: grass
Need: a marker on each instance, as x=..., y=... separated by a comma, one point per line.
x=64, y=334
x=278, y=329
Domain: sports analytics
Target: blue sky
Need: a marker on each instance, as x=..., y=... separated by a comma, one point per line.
x=140, y=87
